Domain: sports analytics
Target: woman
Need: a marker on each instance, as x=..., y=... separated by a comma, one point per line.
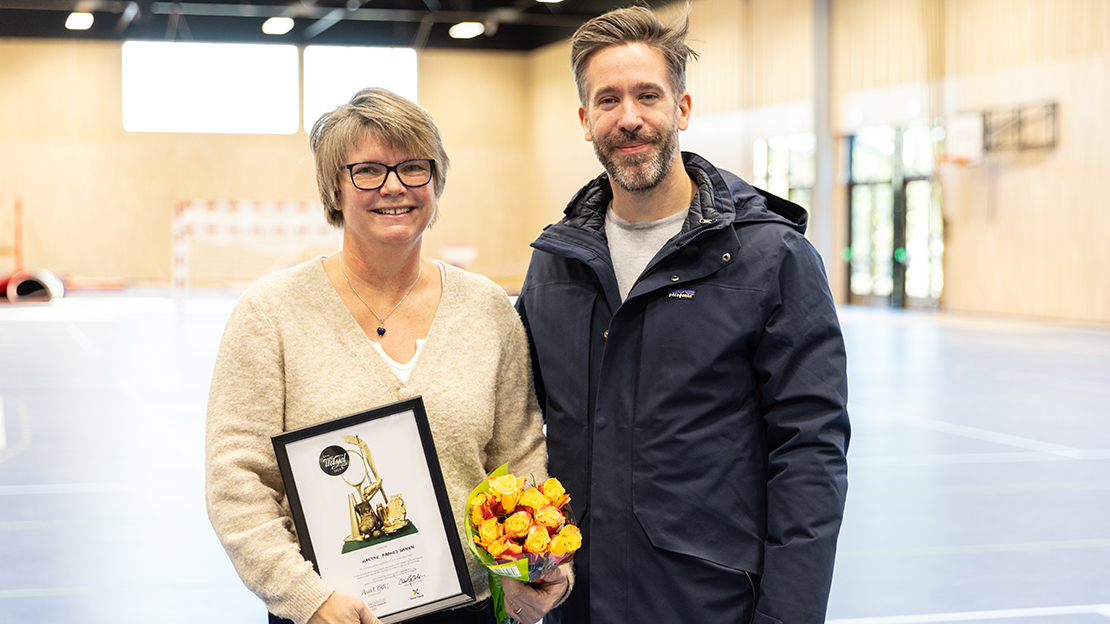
x=370, y=325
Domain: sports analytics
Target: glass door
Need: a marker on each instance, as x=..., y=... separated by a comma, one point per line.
x=924, y=268
x=895, y=231
x=872, y=275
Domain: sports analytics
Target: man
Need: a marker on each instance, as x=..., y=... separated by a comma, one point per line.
x=689, y=363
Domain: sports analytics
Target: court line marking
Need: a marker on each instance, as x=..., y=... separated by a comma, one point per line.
x=1055, y=382
x=884, y=461
x=66, y=488
x=970, y=616
x=82, y=340
x=992, y=436
x=39, y=592
x=976, y=549
x=192, y=519
x=915, y=491
x=24, y=431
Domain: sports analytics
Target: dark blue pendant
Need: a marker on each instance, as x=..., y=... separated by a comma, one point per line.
x=381, y=331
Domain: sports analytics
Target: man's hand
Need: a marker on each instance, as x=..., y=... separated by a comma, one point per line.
x=342, y=608
x=529, y=603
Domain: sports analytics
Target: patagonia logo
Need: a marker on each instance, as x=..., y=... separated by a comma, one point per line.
x=681, y=293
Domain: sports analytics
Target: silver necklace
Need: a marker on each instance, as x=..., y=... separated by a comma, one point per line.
x=381, y=319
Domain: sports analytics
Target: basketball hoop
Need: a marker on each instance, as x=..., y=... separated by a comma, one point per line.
x=963, y=140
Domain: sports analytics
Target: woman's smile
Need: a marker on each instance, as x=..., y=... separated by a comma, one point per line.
x=394, y=211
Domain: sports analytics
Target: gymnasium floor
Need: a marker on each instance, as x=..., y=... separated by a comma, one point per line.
x=979, y=467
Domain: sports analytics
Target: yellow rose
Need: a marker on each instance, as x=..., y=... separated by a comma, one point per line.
x=496, y=547
x=517, y=525
x=533, y=499
x=569, y=539
x=549, y=518
x=490, y=530
x=507, y=489
x=555, y=492
x=537, y=541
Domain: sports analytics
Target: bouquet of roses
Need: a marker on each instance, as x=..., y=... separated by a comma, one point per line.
x=520, y=531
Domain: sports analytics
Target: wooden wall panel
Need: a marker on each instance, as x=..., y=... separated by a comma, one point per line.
x=780, y=51
x=97, y=200
x=480, y=103
x=109, y=214
x=717, y=81
x=1012, y=245
x=878, y=43
x=1027, y=234
x=1015, y=240
x=562, y=159
x=989, y=35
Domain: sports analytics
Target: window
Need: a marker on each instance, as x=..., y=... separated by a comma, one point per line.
x=210, y=87
x=333, y=74
x=784, y=166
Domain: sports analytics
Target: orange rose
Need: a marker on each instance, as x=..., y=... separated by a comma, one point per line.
x=490, y=530
x=497, y=547
x=567, y=540
x=537, y=541
x=533, y=499
x=480, y=510
x=507, y=489
x=555, y=492
x=517, y=525
x=550, y=518
x=512, y=552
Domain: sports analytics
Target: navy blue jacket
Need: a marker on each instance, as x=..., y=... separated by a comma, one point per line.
x=700, y=426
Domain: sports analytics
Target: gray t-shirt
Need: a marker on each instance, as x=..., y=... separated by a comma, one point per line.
x=632, y=244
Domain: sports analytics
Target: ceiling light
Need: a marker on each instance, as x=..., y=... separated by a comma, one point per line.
x=277, y=25
x=79, y=21
x=549, y=1
x=467, y=30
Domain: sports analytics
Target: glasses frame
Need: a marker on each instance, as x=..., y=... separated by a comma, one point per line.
x=351, y=170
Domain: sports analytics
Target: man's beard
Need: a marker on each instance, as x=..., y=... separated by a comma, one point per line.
x=642, y=172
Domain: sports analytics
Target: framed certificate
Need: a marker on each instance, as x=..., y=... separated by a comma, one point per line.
x=372, y=512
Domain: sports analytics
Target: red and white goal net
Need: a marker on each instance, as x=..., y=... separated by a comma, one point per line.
x=231, y=243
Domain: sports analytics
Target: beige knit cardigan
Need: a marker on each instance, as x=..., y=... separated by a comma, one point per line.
x=292, y=355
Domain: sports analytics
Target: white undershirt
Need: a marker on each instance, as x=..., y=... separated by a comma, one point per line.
x=632, y=244
x=404, y=370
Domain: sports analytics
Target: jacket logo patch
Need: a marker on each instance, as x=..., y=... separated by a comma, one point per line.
x=682, y=293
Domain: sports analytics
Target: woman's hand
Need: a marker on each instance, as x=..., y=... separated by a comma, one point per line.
x=342, y=608
x=529, y=603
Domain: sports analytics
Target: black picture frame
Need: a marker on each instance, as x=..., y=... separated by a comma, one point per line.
x=376, y=565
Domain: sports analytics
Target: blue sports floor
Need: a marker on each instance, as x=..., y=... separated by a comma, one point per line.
x=979, y=467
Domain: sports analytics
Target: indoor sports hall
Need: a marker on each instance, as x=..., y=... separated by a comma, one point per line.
x=156, y=163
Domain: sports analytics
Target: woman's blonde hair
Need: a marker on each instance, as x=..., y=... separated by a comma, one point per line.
x=384, y=116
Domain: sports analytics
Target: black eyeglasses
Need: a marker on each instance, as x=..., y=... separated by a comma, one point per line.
x=371, y=176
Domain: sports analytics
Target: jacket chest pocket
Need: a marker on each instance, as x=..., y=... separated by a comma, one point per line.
x=699, y=339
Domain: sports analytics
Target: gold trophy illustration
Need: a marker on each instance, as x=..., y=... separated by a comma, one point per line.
x=368, y=521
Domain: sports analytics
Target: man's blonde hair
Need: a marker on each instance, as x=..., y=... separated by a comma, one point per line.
x=634, y=24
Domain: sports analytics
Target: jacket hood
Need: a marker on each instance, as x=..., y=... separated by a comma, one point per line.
x=721, y=195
